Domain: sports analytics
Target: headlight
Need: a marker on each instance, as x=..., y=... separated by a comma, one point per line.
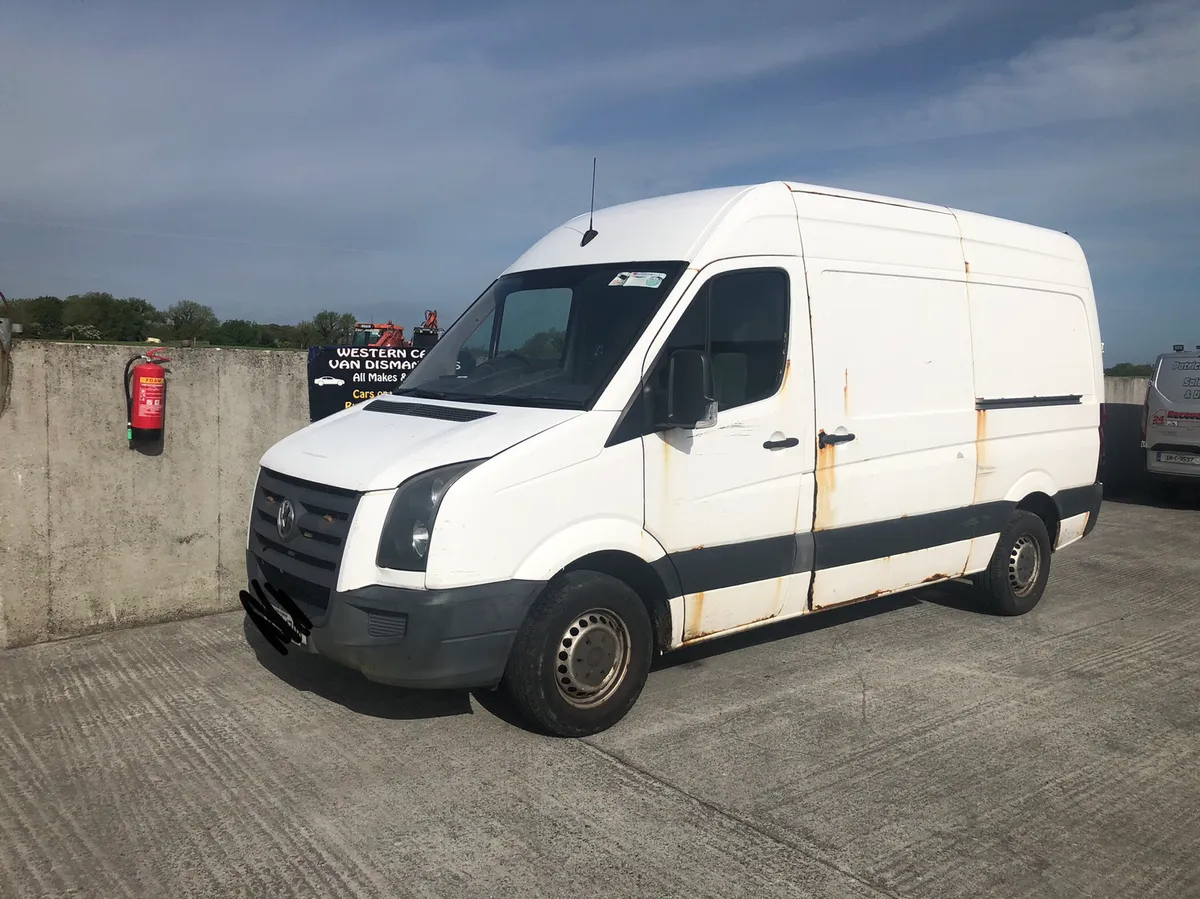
x=404, y=543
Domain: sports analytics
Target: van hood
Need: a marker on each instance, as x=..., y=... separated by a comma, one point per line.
x=378, y=444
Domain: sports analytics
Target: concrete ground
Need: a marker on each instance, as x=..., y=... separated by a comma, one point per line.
x=909, y=748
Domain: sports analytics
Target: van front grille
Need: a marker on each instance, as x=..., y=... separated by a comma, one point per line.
x=302, y=560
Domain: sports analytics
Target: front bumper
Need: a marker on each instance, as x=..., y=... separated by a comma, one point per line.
x=425, y=639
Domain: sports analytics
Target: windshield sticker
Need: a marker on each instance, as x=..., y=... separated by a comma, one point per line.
x=638, y=279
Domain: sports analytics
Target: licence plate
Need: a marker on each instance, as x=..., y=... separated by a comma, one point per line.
x=287, y=618
x=1178, y=458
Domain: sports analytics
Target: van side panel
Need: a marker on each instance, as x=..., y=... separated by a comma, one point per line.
x=1036, y=403
x=1029, y=342
x=891, y=337
x=1037, y=370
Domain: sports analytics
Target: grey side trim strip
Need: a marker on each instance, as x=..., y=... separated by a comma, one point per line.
x=879, y=539
x=1027, y=402
x=715, y=567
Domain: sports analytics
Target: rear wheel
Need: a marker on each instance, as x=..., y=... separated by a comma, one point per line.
x=582, y=656
x=1015, y=579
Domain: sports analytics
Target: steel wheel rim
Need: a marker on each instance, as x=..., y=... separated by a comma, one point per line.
x=1024, y=565
x=592, y=658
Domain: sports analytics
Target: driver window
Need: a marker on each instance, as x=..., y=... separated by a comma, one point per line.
x=741, y=320
x=534, y=323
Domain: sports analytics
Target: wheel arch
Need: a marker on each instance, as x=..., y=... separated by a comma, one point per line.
x=619, y=548
x=640, y=576
x=1034, y=492
x=1044, y=507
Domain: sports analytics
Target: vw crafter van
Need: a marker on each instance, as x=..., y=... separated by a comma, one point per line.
x=688, y=417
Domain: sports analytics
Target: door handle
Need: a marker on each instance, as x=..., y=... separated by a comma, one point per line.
x=830, y=439
x=786, y=443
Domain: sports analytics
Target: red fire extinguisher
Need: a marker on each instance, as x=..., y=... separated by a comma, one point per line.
x=145, y=397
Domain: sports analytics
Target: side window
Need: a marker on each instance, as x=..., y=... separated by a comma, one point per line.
x=741, y=320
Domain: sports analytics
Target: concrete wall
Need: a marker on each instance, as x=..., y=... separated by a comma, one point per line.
x=1125, y=391
x=5, y=360
x=94, y=535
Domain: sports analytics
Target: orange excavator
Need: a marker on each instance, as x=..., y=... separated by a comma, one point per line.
x=389, y=334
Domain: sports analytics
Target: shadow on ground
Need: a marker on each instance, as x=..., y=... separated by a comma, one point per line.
x=957, y=595
x=347, y=688
x=1166, y=495
x=313, y=674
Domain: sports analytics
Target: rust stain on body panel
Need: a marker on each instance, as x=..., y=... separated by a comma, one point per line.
x=849, y=602
x=981, y=451
x=692, y=636
x=693, y=614
x=826, y=486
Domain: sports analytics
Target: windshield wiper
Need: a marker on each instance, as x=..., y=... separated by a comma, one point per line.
x=420, y=392
x=508, y=399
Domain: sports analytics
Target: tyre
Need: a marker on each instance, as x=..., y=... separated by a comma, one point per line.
x=1015, y=579
x=581, y=657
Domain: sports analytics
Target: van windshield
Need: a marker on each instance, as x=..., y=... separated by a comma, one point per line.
x=1178, y=379
x=548, y=337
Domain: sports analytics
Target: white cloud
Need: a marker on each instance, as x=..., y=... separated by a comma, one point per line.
x=1145, y=59
x=316, y=164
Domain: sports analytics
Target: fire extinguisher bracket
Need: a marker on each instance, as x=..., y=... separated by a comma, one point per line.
x=145, y=398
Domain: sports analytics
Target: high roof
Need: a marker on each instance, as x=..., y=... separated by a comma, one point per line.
x=749, y=219
x=654, y=229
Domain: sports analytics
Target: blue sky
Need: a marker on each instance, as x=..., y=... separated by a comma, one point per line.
x=272, y=159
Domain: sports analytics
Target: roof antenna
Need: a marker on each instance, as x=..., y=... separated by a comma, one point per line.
x=591, y=232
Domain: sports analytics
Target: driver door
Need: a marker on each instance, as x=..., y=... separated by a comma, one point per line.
x=726, y=502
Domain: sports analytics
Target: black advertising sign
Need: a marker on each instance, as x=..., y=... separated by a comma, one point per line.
x=341, y=376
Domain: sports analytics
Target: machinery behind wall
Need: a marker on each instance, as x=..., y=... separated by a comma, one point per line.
x=389, y=334
x=377, y=361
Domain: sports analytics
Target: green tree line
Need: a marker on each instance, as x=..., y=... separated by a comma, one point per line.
x=99, y=316
x=1130, y=370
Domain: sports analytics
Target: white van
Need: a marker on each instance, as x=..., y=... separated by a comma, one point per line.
x=701, y=413
x=1171, y=419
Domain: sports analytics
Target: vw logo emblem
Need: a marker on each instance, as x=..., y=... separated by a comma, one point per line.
x=285, y=520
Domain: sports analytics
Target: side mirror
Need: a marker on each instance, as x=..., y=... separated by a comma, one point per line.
x=691, y=403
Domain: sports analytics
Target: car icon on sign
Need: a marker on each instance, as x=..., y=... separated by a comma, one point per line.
x=326, y=380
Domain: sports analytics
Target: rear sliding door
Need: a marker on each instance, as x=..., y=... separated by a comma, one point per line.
x=894, y=397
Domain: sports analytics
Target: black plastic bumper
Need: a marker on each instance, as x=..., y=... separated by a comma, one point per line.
x=1097, y=500
x=427, y=639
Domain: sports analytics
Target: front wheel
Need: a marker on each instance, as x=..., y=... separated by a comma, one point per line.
x=582, y=656
x=1015, y=579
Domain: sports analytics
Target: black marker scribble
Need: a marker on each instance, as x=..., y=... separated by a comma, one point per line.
x=270, y=623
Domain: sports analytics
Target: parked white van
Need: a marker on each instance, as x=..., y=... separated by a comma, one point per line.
x=1171, y=419
x=698, y=414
